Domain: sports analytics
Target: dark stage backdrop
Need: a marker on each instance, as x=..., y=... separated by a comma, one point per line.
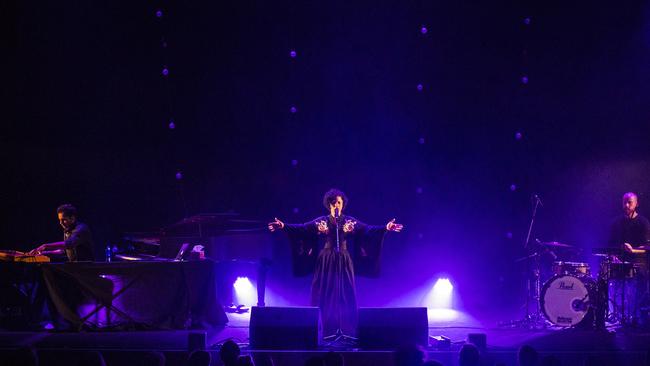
x=412, y=108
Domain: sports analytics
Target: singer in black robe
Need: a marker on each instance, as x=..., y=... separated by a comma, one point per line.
x=314, y=250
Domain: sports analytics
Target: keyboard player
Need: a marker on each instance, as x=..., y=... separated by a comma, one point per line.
x=77, y=239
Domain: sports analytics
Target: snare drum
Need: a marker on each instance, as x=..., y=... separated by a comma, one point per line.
x=566, y=300
x=571, y=268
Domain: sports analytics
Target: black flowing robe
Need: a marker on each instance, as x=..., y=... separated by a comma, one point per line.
x=333, y=287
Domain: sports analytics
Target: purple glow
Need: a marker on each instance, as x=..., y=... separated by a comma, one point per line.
x=165, y=71
x=513, y=187
x=524, y=79
x=509, y=235
x=172, y=125
x=421, y=141
x=440, y=296
x=296, y=210
x=179, y=175
x=418, y=190
x=423, y=30
x=420, y=235
x=164, y=44
x=159, y=13
x=527, y=20
x=420, y=87
x=294, y=162
x=245, y=293
x=518, y=135
x=293, y=54
x=293, y=109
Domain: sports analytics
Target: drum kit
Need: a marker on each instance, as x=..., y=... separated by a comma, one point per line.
x=571, y=296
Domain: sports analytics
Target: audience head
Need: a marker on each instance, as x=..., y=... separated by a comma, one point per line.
x=469, y=355
x=527, y=356
x=200, y=358
x=263, y=359
x=245, y=361
x=411, y=355
x=229, y=353
x=153, y=358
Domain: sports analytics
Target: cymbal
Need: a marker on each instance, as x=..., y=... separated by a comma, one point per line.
x=555, y=244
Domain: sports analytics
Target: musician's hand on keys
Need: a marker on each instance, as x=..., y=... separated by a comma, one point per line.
x=38, y=250
x=349, y=226
x=392, y=226
x=277, y=224
x=322, y=227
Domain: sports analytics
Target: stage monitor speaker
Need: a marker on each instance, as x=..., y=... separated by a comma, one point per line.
x=285, y=328
x=389, y=328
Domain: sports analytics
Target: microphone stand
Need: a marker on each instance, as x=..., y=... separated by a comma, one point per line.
x=339, y=335
x=531, y=320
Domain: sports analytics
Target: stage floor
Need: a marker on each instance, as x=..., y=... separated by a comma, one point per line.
x=572, y=346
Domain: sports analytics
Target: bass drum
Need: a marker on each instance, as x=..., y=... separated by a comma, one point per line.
x=567, y=300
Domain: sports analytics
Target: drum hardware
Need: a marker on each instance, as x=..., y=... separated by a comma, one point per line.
x=535, y=319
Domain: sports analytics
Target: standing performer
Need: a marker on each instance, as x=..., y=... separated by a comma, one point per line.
x=359, y=248
x=77, y=240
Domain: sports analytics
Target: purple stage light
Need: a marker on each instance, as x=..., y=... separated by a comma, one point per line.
x=293, y=109
x=294, y=162
x=296, y=210
x=172, y=125
x=165, y=71
x=527, y=20
x=293, y=54
x=518, y=135
x=245, y=293
x=421, y=141
x=418, y=190
x=423, y=30
x=509, y=235
x=441, y=294
x=159, y=13
x=513, y=187
x=179, y=175
x=524, y=79
x=420, y=235
x=420, y=87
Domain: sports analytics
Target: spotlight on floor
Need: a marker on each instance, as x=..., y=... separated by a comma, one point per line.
x=245, y=293
x=442, y=294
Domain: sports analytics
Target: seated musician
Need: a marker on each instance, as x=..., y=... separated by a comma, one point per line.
x=631, y=231
x=77, y=240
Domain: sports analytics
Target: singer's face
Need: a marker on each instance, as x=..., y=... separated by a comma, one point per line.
x=338, y=203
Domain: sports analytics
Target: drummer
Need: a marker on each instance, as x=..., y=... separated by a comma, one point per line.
x=630, y=231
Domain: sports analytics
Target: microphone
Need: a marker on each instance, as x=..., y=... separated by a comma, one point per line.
x=539, y=200
x=336, y=213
